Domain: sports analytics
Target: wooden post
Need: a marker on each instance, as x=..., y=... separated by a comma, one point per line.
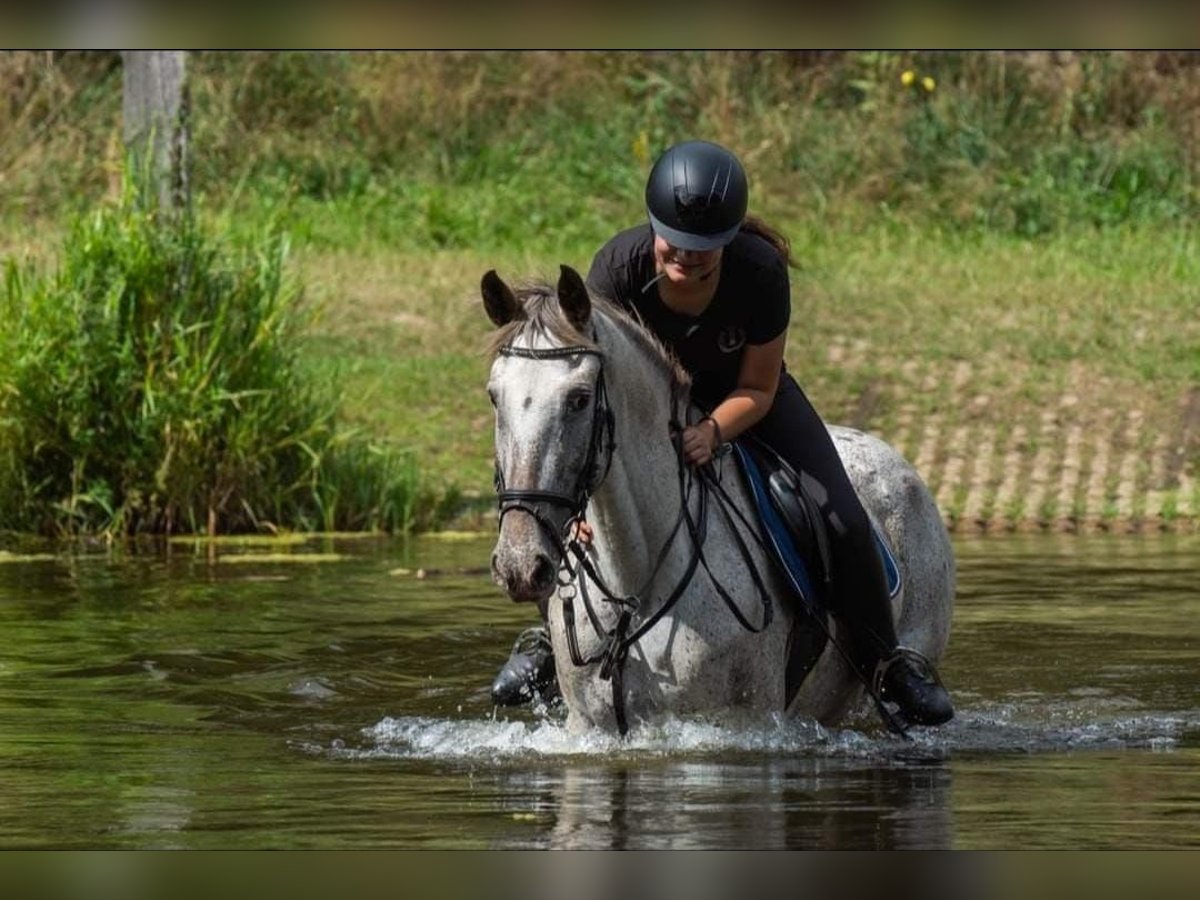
x=156, y=127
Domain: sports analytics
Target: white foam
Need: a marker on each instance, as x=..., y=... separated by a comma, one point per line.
x=420, y=737
x=995, y=729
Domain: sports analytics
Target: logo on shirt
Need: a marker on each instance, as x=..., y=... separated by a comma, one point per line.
x=731, y=338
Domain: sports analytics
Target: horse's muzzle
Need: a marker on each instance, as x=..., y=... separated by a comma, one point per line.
x=526, y=577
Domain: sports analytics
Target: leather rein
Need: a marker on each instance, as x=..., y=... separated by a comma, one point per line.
x=617, y=641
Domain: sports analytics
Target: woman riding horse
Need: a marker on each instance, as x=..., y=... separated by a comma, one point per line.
x=712, y=283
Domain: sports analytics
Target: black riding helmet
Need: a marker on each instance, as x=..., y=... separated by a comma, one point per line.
x=696, y=196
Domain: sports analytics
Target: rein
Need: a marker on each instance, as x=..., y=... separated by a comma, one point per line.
x=617, y=641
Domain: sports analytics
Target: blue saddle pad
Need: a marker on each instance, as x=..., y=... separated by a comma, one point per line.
x=779, y=536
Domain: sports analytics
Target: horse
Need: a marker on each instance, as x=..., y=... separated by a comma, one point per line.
x=673, y=607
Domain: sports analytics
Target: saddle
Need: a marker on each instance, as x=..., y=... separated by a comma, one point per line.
x=790, y=508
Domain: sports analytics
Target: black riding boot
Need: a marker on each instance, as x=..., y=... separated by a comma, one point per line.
x=898, y=675
x=908, y=679
x=528, y=672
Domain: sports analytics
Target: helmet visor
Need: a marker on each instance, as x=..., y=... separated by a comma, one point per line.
x=686, y=240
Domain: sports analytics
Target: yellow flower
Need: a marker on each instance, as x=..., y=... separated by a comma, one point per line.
x=907, y=77
x=928, y=83
x=641, y=148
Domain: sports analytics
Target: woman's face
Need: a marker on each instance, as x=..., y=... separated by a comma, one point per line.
x=684, y=266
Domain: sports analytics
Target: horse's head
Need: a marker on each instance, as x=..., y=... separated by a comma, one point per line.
x=547, y=387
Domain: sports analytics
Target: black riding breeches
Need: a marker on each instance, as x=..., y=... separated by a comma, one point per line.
x=794, y=430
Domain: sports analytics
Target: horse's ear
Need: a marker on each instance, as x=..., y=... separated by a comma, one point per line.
x=573, y=297
x=499, y=300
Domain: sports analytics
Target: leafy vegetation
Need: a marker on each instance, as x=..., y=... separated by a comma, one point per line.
x=152, y=383
x=429, y=149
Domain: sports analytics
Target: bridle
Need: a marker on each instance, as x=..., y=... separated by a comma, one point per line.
x=602, y=442
x=623, y=635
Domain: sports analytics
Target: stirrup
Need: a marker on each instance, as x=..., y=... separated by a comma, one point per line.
x=532, y=639
x=918, y=695
x=924, y=666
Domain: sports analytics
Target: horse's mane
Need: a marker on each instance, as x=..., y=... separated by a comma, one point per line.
x=544, y=316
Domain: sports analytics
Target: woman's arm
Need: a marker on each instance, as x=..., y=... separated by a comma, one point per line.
x=758, y=380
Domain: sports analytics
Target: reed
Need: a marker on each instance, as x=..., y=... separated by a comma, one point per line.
x=153, y=383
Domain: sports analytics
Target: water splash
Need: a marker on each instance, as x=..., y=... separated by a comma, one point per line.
x=986, y=730
x=409, y=737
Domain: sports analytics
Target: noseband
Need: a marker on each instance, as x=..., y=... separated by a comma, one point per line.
x=603, y=440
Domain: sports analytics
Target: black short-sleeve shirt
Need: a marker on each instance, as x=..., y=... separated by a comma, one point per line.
x=752, y=304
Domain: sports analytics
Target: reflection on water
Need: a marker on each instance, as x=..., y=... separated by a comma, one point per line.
x=182, y=700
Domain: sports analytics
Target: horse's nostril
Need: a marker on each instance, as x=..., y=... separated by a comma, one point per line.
x=543, y=573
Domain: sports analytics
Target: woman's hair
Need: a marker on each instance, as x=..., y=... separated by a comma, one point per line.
x=755, y=225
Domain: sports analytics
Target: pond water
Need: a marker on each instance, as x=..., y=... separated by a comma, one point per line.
x=322, y=695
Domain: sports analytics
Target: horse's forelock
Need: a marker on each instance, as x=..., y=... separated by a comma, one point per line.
x=543, y=315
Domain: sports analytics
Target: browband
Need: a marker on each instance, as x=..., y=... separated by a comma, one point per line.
x=548, y=352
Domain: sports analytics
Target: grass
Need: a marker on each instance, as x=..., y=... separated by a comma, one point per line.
x=488, y=149
x=401, y=333
x=418, y=372
x=1032, y=213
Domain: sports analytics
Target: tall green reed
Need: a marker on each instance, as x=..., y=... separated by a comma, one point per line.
x=153, y=383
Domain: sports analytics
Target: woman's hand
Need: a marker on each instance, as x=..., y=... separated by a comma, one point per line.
x=700, y=442
x=581, y=531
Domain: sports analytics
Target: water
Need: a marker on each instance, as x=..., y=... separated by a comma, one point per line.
x=321, y=694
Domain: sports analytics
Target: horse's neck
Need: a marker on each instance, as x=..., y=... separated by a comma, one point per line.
x=634, y=513
x=636, y=508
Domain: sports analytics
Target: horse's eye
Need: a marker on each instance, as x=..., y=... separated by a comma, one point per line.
x=492, y=397
x=578, y=400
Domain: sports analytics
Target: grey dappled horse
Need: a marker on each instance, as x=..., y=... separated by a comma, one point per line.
x=642, y=623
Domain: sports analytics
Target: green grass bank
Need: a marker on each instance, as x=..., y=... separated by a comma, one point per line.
x=1048, y=384
x=997, y=256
